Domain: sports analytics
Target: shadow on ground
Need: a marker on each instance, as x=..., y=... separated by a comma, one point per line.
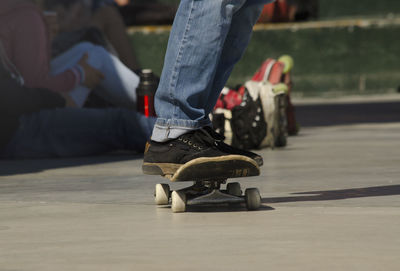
x=14, y=167
x=218, y=208
x=352, y=113
x=307, y=116
x=376, y=191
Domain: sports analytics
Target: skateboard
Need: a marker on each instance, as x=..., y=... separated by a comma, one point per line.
x=206, y=190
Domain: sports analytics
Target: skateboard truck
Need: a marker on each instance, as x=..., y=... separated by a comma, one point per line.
x=215, y=197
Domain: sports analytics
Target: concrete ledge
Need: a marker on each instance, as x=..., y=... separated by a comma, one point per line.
x=332, y=58
x=338, y=23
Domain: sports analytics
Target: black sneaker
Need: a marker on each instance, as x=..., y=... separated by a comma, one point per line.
x=202, y=145
x=232, y=150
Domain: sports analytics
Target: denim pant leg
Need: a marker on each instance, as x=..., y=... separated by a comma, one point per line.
x=119, y=84
x=194, y=49
x=78, y=132
x=236, y=42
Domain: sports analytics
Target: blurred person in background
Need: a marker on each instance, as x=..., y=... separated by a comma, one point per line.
x=34, y=122
x=76, y=17
x=146, y=12
x=74, y=73
x=122, y=2
x=305, y=10
x=289, y=11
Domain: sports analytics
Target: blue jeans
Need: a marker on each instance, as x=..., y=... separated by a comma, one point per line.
x=208, y=38
x=78, y=132
x=119, y=84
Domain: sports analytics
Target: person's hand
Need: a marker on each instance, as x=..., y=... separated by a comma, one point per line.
x=92, y=76
x=69, y=102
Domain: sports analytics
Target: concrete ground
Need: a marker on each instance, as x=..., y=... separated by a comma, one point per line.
x=331, y=201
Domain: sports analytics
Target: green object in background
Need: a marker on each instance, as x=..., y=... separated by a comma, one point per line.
x=150, y=49
x=288, y=62
x=328, y=61
x=329, y=9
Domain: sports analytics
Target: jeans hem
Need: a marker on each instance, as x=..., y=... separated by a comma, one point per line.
x=165, y=130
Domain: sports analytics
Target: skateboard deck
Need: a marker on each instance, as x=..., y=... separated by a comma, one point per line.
x=206, y=189
x=203, y=169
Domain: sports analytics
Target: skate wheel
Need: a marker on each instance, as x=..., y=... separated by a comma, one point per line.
x=253, y=199
x=178, y=202
x=234, y=189
x=162, y=194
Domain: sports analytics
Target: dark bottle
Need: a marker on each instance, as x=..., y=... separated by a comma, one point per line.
x=146, y=91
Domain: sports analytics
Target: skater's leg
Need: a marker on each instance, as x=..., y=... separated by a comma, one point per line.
x=194, y=49
x=234, y=47
x=189, y=80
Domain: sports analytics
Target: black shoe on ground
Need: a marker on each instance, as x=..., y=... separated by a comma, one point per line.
x=205, y=146
x=232, y=150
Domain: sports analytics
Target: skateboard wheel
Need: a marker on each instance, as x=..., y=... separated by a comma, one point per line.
x=178, y=202
x=234, y=189
x=162, y=194
x=253, y=199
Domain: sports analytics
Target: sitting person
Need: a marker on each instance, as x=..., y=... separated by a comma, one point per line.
x=34, y=122
x=75, y=15
x=146, y=12
x=289, y=11
x=75, y=72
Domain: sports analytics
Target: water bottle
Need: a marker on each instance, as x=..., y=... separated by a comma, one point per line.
x=146, y=91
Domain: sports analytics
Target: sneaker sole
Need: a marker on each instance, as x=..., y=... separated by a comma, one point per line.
x=206, y=168
x=160, y=168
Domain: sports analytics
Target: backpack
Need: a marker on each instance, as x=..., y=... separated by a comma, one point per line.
x=273, y=102
x=249, y=127
x=258, y=121
x=275, y=72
